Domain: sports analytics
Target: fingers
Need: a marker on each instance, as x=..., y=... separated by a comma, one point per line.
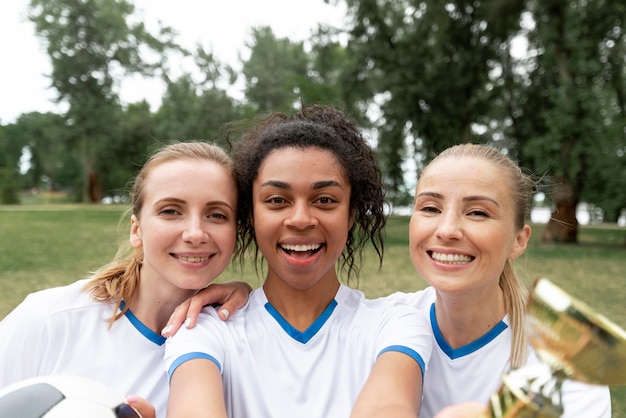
x=142, y=406
x=231, y=295
x=200, y=300
x=176, y=319
x=237, y=298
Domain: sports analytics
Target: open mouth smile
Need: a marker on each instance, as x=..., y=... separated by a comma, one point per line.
x=450, y=258
x=301, y=250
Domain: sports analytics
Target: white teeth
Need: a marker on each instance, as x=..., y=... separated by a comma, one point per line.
x=301, y=247
x=451, y=258
x=192, y=259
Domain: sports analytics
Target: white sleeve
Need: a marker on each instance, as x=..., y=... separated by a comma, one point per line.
x=25, y=336
x=205, y=340
x=403, y=328
x=583, y=400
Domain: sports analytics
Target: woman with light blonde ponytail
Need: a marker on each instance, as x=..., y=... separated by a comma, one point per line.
x=468, y=225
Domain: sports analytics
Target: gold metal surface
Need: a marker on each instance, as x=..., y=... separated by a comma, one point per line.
x=572, y=339
x=572, y=342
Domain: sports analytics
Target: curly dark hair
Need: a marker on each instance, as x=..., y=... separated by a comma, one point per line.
x=328, y=129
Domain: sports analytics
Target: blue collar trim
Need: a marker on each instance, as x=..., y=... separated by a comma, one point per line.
x=466, y=349
x=306, y=335
x=144, y=330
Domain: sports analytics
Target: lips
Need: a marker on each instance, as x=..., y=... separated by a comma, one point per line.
x=450, y=258
x=191, y=259
x=301, y=250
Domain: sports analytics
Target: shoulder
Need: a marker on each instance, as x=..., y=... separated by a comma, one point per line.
x=387, y=315
x=421, y=299
x=54, y=300
x=51, y=313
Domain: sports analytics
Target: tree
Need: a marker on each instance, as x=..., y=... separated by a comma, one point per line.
x=197, y=109
x=92, y=44
x=129, y=154
x=429, y=66
x=443, y=73
x=575, y=104
x=46, y=136
x=10, y=152
x=274, y=72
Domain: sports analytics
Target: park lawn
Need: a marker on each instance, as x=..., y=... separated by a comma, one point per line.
x=50, y=245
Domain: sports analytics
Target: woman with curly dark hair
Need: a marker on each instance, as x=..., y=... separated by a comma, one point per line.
x=311, y=197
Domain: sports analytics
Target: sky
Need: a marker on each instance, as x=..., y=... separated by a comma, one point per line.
x=220, y=26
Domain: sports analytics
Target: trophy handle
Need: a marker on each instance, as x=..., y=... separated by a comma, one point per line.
x=572, y=342
x=573, y=339
x=528, y=392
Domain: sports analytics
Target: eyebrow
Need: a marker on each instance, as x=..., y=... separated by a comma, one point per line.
x=465, y=199
x=316, y=185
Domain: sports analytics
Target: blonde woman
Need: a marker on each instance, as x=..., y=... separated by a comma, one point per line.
x=467, y=227
x=107, y=328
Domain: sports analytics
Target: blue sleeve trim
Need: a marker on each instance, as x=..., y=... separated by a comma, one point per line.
x=192, y=356
x=409, y=352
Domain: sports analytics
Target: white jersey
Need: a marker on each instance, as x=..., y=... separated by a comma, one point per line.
x=63, y=331
x=474, y=372
x=270, y=369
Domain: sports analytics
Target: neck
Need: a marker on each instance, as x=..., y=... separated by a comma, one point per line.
x=153, y=306
x=463, y=319
x=300, y=307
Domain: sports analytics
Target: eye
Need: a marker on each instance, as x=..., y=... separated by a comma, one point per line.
x=276, y=200
x=169, y=212
x=326, y=200
x=478, y=213
x=218, y=216
x=429, y=209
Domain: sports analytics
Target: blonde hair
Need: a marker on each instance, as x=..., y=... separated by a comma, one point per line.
x=116, y=281
x=522, y=189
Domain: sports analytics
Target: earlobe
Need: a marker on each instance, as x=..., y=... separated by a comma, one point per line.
x=135, y=241
x=135, y=233
x=521, y=241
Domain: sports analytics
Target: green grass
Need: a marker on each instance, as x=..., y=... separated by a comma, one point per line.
x=49, y=245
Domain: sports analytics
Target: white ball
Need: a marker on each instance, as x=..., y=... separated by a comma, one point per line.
x=62, y=397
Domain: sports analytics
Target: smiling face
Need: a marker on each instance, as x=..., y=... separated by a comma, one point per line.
x=301, y=216
x=187, y=224
x=462, y=229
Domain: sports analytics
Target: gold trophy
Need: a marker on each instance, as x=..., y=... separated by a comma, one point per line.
x=572, y=342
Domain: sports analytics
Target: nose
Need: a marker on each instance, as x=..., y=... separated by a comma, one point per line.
x=301, y=216
x=195, y=232
x=450, y=227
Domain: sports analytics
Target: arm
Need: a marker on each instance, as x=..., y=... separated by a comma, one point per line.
x=231, y=295
x=394, y=388
x=464, y=410
x=196, y=391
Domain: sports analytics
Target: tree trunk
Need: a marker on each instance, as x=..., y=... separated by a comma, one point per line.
x=95, y=191
x=563, y=225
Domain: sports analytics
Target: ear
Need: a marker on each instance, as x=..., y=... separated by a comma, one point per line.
x=135, y=232
x=521, y=241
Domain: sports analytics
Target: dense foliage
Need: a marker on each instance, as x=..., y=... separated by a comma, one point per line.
x=543, y=80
